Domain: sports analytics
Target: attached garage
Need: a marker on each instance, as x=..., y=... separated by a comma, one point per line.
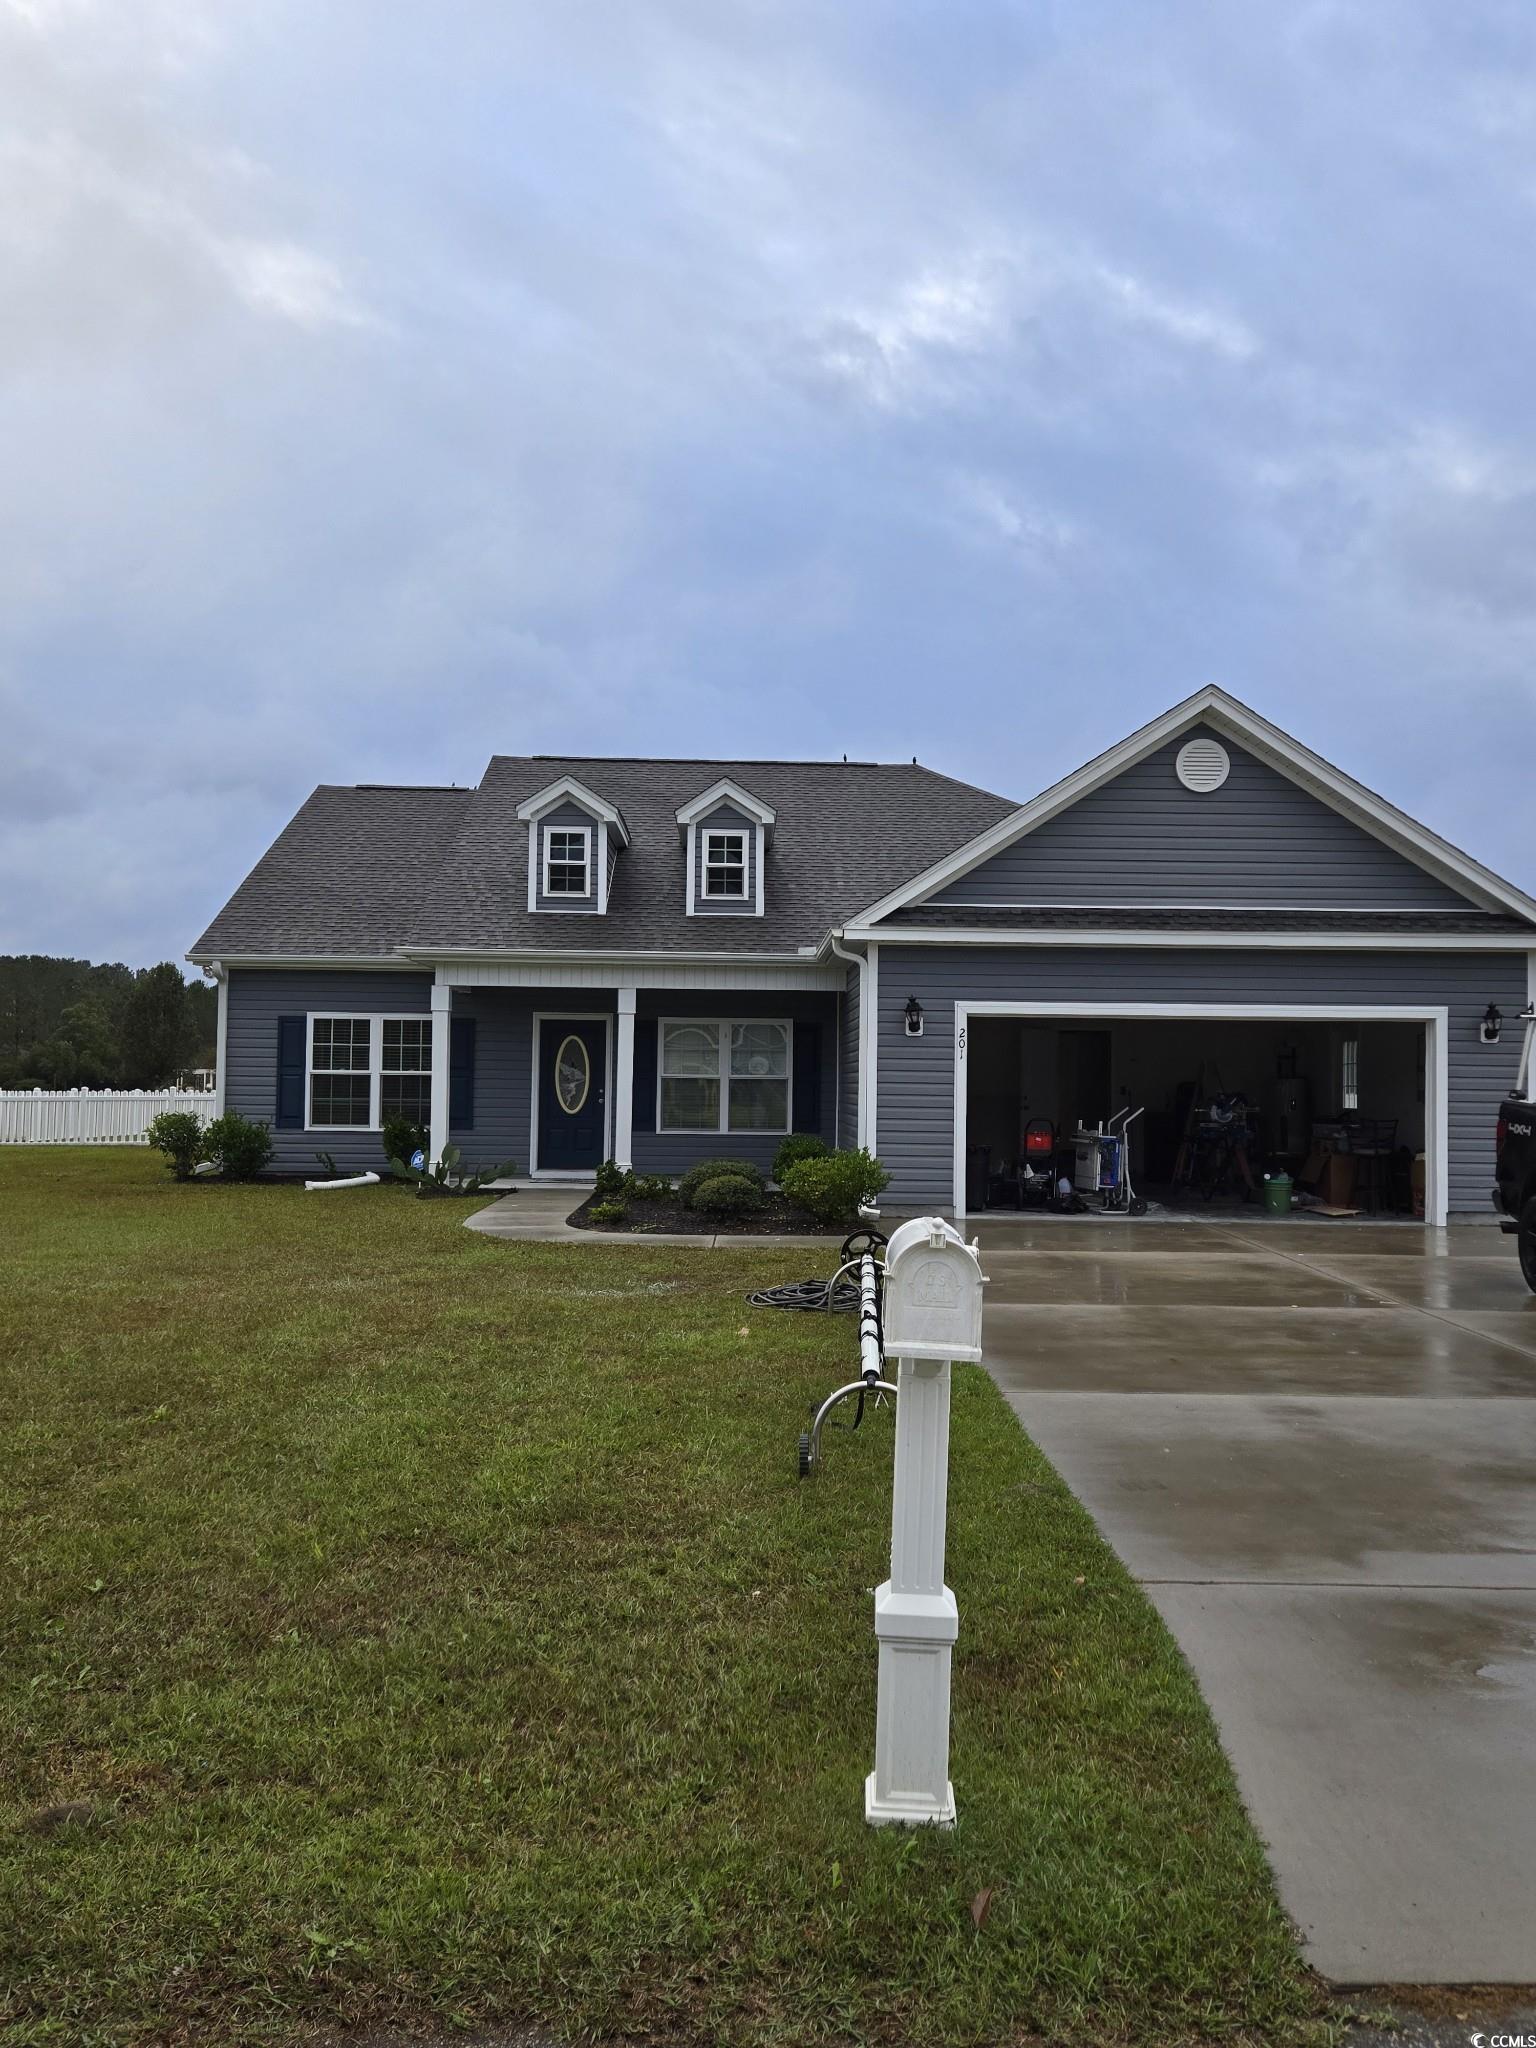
x=1208, y=908
x=1288, y=1085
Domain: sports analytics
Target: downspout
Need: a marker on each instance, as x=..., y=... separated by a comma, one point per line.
x=220, y=975
x=866, y=1034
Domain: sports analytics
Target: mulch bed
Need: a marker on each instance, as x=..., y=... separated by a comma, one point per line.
x=778, y=1217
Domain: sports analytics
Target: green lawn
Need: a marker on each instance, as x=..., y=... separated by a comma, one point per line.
x=435, y=1631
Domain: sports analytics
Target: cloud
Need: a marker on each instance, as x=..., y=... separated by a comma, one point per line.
x=380, y=388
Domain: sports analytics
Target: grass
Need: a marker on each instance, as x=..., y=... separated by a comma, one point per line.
x=433, y=1630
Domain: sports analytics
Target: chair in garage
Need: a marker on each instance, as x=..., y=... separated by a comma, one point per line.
x=1373, y=1141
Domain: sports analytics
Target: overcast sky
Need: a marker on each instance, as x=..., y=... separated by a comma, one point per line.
x=385, y=385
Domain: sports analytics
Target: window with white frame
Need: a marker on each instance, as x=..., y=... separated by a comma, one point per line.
x=725, y=866
x=568, y=860
x=1349, y=1074
x=364, y=1069
x=716, y=1074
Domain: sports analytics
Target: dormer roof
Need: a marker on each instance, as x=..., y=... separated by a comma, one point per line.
x=726, y=791
x=567, y=789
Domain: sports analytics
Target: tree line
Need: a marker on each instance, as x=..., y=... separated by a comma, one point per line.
x=75, y=1024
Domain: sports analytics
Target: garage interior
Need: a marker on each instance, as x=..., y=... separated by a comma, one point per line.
x=1338, y=1107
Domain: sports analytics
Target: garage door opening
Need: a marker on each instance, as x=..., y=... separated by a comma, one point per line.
x=1346, y=1106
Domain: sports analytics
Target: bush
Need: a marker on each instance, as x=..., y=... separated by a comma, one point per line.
x=832, y=1188
x=606, y=1212
x=728, y=1195
x=239, y=1147
x=610, y=1180
x=712, y=1169
x=801, y=1146
x=178, y=1133
x=649, y=1187
x=613, y=1183
x=401, y=1138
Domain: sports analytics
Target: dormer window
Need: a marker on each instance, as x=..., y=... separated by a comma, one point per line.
x=575, y=837
x=725, y=866
x=568, y=861
x=726, y=833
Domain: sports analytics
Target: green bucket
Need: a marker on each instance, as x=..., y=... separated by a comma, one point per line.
x=1277, y=1195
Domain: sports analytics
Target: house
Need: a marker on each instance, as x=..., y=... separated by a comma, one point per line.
x=663, y=960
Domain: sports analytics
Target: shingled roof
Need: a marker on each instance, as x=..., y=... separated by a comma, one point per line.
x=371, y=871
x=344, y=878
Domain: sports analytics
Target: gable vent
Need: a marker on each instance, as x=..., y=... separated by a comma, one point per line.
x=1202, y=765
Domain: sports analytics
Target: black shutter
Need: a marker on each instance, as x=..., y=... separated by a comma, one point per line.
x=290, y=1074
x=644, y=1118
x=807, y=1089
x=461, y=1074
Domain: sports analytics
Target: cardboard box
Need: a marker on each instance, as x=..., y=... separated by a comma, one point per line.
x=1336, y=1182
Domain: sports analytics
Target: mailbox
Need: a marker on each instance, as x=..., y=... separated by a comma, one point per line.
x=933, y=1283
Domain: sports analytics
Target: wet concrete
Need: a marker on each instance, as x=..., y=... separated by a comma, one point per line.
x=1319, y=1466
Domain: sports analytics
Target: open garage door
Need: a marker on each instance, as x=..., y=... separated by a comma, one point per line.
x=1350, y=1105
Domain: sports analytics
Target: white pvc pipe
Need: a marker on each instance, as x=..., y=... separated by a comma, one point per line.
x=869, y=1319
x=360, y=1180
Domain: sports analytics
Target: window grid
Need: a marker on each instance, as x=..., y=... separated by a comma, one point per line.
x=363, y=1069
x=725, y=865
x=1349, y=1074
x=718, y=1075
x=567, y=861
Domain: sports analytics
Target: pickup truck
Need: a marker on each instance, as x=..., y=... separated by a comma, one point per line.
x=1515, y=1194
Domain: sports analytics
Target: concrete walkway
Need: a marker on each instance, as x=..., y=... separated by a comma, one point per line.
x=1314, y=1446
x=537, y=1216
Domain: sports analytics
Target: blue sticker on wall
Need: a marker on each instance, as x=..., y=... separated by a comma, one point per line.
x=419, y=1160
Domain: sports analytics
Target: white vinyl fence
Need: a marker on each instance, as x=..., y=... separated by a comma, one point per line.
x=91, y=1116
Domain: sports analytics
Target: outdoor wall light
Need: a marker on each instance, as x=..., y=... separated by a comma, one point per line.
x=1493, y=1024
x=913, y=1015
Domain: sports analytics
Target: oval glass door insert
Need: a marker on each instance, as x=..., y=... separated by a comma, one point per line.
x=573, y=1074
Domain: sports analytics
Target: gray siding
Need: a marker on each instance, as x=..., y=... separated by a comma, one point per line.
x=848, y=1064
x=664, y=1152
x=915, y=1111
x=257, y=998
x=562, y=816
x=724, y=818
x=1146, y=839
x=504, y=1064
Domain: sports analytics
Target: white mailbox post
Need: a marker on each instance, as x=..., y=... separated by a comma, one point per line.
x=933, y=1283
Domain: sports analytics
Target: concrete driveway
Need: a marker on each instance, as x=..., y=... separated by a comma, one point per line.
x=1315, y=1447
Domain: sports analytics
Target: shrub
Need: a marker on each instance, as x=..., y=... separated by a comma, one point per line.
x=178, y=1133
x=832, y=1188
x=610, y=1180
x=801, y=1146
x=728, y=1195
x=649, y=1187
x=606, y=1212
x=712, y=1169
x=239, y=1147
x=401, y=1138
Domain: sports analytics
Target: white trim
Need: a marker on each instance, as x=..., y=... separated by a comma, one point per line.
x=220, y=974
x=624, y=1080
x=1226, y=909
x=1201, y=941
x=375, y=1020
x=438, y=1111
x=723, y=1026
x=585, y=834
x=386, y=963
x=865, y=1062
x=871, y=1138
x=1277, y=750
x=741, y=835
x=724, y=791
x=581, y=971
x=569, y=790
x=540, y=1018
x=730, y=906
x=1434, y=1017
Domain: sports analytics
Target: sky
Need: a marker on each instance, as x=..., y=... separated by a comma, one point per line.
x=384, y=386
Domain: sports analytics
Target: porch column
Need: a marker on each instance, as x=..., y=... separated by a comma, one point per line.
x=437, y=1123
x=624, y=1081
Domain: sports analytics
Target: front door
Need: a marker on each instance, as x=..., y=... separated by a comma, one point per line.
x=573, y=1093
